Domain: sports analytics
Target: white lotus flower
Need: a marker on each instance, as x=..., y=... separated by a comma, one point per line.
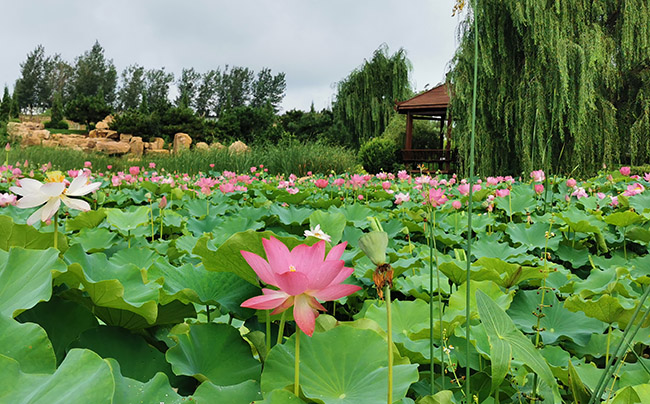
x=318, y=233
x=51, y=194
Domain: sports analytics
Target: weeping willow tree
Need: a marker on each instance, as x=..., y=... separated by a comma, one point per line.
x=563, y=85
x=365, y=100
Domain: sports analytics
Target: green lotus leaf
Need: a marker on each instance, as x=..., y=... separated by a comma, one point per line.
x=95, y=239
x=232, y=225
x=533, y=236
x=578, y=389
x=28, y=345
x=291, y=214
x=508, y=275
x=228, y=256
x=627, y=395
x=483, y=247
x=141, y=257
x=557, y=322
x=190, y=283
x=441, y=397
x=507, y=342
x=242, y=393
x=85, y=220
x=456, y=309
x=114, y=286
x=623, y=219
x=128, y=220
x=26, y=278
x=186, y=243
x=83, y=377
x=357, y=214
x=332, y=223
x=212, y=352
x=156, y=390
x=342, y=365
x=138, y=360
x=22, y=235
x=62, y=320
x=280, y=396
x=579, y=221
x=170, y=219
x=637, y=233
x=206, y=225
x=606, y=308
x=522, y=199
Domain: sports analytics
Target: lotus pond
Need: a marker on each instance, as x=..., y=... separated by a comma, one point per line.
x=138, y=299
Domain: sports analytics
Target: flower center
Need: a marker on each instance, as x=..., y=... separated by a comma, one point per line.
x=292, y=268
x=54, y=176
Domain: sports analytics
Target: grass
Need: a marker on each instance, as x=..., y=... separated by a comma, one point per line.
x=283, y=158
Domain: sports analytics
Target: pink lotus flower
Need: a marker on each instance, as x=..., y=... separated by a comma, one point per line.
x=152, y=165
x=436, y=197
x=571, y=183
x=456, y=204
x=321, y=183
x=88, y=164
x=580, y=193
x=634, y=189
x=7, y=199
x=539, y=188
x=538, y=175
x=402, y=197
x=134, y=170
x=625, y=171
x=646, y=177
x=502, y=192
x=463, y=189
x=301, y=276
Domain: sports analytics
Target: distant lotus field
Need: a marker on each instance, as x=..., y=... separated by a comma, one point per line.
x=144, y=286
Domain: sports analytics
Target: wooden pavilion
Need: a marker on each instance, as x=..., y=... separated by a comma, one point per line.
x=430, y=105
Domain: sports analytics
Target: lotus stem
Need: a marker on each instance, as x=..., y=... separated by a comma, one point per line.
x=56, y=230
x=431, y=304
x=609, y=337
x=161, y=224
x=281, y=329
x=268, y=330
x=207, y=311
x=598, y=391
x=389, y=331
x=469, y=215
x=296, y=378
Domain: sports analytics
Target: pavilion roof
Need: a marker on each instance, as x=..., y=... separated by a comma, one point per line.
x=435, y=100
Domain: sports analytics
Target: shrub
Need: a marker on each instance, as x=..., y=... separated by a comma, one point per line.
x=378, y=154
x=56, y=125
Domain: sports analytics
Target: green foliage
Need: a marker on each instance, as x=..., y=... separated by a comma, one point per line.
x=248, y=124
x=5, y=106
x=563, y=85
x=378, y=154
x=426, y=134
x=56, y=125
x=93, y=75
x=88, y=109
x=366, y=98
x=130, y=93
x=308, y=126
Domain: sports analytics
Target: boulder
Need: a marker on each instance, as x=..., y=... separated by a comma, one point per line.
x=93, y=134
x=157, y=143
x=50, y=143
x=125, y=137
x=137, y=146
x=202, y=146
x=41, y=133
x=30, y=140
x=16, y=129
x=101, y=125
x=33, y=125
x=72, y=141
x=157, y=152
x=112, y=147
x=218, y=146
x=182, y=141
x=238, y=147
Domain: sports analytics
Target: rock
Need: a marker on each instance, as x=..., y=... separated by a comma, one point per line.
x=33, y=125
x=125, y=137
x=157, y=143
x=41, y=133
x=50, y=143
x=157, y=152
x=93, y=133
x=111, y=134
x=238, y=147
x=101, y=125
x=137, y=146
x=30, y=140
x=182, y=141
x=76, y=142
x=16, y=129
x=112, y=147
x=218, y=146
x=202, y=146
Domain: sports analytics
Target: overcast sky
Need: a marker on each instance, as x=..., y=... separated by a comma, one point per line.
x=316, y=43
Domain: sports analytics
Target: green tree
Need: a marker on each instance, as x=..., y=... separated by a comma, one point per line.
x=365, y=100
x=88, y=109
x=562, y=86
x=157, y=83
x=206, y=98
x=94, y=74
x=268, y=89
x=307, y=126
x=57, y=109
x=188, y=87
x=130, y=92
x=234, y=89
x=29, y=88
x=5, y=106
x=59, y=77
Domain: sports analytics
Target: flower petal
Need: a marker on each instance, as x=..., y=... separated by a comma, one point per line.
x=334, y=292
x=287, y=303
x=35, y=217
x=83, y=189
x=277, y=254
x=50, y=208
x=75, y=203
x=304, y=314
x=53, y=188
x=294, y=283
x=27, y=186
x=307, y=258
x=269, y=300
x=76, y=184
x=322, y=275
x=33, y=200
x=260, y=266
x=337, y=251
